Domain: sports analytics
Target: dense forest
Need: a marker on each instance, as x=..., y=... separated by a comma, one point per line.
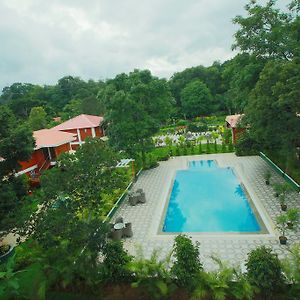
x=262, y=82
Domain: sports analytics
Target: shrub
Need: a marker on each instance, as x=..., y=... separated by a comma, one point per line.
x=193, y=128
x=224, y=282
x=152, y=274
x=227, y=135
x=246, y=145
x=187, y=264
x=115, y=263
x=181, y=122
x=215, y=146
x=223, y=147
x=200, y=148
x=151, y=162
x=291, y=267
x=208, y=147
x=264, y=271
x=230, y=147
x=185, y=152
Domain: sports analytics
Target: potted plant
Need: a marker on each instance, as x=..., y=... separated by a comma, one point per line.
x=267, y=177
x=281, y=221
x=282, y=202
x=277, y=189
x=293, y=217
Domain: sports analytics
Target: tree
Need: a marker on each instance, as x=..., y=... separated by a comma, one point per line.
x=196, y=99
x=267, y=32
x=276, y=97
x=75, y=196
x=136, y=105
x=240, y=75
x=16, y=144
x=37, y=118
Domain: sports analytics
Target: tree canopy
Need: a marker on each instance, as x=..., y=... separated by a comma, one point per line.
x=136, y=105
x=196, y=99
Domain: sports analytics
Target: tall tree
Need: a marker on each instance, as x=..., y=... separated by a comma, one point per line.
x=196, y=99
x=136, y=105
x=37, y=118
x=240, y=75
x=273, y=107
x=16, y=143
x=268, y=32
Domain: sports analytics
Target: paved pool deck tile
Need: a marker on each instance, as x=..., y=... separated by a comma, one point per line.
x=147, y=218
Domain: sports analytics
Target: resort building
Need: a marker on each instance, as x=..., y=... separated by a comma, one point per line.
x=49, y=144
x=232, y=122
x=82, y=126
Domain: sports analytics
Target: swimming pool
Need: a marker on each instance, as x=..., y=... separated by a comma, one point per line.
x=207, y=198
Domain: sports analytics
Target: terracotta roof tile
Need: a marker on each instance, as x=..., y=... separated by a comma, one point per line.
x=51, y=138
x=233, y=120
x=81, y=121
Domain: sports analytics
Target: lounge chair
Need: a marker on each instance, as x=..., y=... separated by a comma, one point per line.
x=133, y=199
x=127, y=230
x=119, y=220
x=142, y=197
x=116, y=235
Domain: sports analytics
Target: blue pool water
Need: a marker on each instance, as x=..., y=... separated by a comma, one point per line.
x=206, y=198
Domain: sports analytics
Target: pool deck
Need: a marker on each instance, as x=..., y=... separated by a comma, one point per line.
x=146, y=218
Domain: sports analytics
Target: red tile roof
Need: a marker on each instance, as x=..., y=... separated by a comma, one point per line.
x=233, y=120
x=81, y=121
x=51, y=138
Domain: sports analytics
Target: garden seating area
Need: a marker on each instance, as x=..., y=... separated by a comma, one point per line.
x=136, y=197
x=119, y=229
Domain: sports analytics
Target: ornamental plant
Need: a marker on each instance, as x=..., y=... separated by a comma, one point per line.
x=187, y=263
x=264, y=271
x=114, y=267
x=151, y=274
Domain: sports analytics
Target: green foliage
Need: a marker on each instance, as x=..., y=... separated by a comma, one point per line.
x=293, y=215
x=246, y=145
x=208, y=147
x=291, y=268
x=152, y=274
x=37, y=118
x=281, y=223
x=264, y=271
x=215, y=147
x=275, y=96
x=86, y=177
x=200, y=148
x=223, y=150
x=116, y=259
x=230, y=146
x=224, y=282
x=240, y=75
x=16, y=144
x=137, y=104
x=227, y=136
x=196, y=99
x=267, y=32
x=187, y=263
x=210, y=76
x=9, y=283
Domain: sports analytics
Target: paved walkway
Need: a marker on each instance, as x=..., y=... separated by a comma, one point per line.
x=146, y=218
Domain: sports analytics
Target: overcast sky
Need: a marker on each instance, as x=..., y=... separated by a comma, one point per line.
x=42, y=41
